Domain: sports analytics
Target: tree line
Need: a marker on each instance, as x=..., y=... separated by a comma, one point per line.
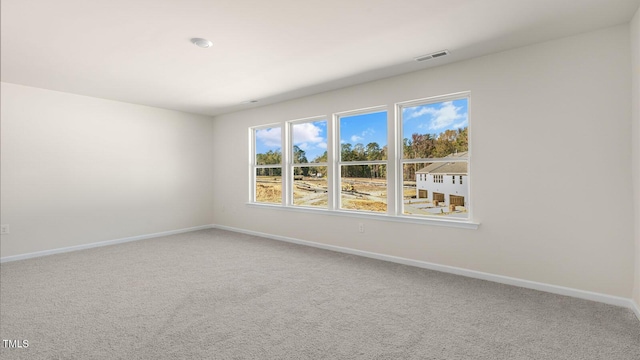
x=429, y=146
x=425, y=146
x=418, y=146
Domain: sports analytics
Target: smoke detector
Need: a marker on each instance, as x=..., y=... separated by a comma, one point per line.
x=434, y=55
x=203, y=43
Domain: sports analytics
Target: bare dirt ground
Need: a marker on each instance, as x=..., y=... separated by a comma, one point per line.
x=356, y=194
x=310, y=192
x=269, y=189
x=364, y=194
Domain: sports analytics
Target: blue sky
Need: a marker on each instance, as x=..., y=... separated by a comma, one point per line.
x=309, y=136
x=435, y=118
x=366, y=128
x=268, y=139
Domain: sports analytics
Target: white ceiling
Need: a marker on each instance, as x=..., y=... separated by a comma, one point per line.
x=138, y=51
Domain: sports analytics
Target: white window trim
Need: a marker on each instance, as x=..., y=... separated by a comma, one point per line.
x=290, y=165
x=338, y=163
x=253, y=163
x=394, y=168
x=455, y=223
x=400, y=161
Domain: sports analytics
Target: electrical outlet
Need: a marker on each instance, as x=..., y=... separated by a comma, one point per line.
x=360, y=227
x=4, y=229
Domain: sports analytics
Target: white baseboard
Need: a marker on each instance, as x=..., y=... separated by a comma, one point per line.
x=560, y=290
x=100, y=243
x=636, y=309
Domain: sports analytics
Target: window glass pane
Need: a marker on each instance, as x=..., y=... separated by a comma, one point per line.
x=268, y=146
x=363, y=137
x=364, y=187
x=433, y=133
x=429, y=189
x=310, y=186
x=435, y=130
x=310, y=142
x=269, y=185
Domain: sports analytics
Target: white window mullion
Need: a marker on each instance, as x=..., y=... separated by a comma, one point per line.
x=252, y=167
x=287, y=171
x=333, y=170
x=392, y=164
x=436, y=196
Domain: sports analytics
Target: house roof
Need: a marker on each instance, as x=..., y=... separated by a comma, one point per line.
x=457, y=167
x=450, y=168
x=453, y=167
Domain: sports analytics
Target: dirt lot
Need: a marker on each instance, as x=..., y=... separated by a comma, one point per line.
x=364, y=194
x=356, y=194
x=310, y=192
x=269, y=189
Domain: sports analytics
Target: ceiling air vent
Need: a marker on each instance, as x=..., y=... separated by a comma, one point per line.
x=432, y=55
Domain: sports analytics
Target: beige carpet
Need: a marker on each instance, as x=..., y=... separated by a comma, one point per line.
x=214, y=294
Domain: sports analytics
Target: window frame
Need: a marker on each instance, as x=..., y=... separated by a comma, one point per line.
x=394, y=166
x=253, y=163
x=401, y=161
x=338, y=163
x=291, y=165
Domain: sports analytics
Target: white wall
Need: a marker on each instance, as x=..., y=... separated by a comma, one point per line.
x=560, y=108
x=77, y=170
x=635, y=140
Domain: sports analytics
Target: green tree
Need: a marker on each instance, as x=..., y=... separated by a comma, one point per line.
x=445, y=143
x=346, y=153
x=271, y=157
x=373, y=152
x=321, y=158
x=422, y=145
x=299, y=155
x=359, y=152
x=461, y=143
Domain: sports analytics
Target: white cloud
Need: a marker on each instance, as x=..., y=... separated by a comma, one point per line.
x=439, y=117
x=270, y=137
x=368, y=132
x=422, y=110
x=463, y=123
x=307, y=133
x=357, y=138
x=322, y=145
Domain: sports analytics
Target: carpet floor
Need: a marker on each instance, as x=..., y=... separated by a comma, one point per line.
x=214, y=294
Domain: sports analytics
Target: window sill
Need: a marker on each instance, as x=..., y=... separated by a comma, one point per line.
x=462, y=224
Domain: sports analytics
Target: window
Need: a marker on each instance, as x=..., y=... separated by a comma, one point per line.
x=267, y=164
x=342, y=162
x=309, y=165
x=363, y=161
x=434, y=138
